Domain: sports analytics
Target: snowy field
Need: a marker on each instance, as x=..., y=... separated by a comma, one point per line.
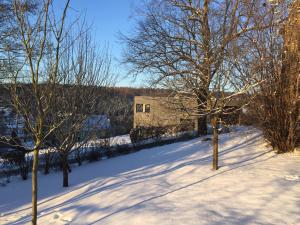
x=171, y=184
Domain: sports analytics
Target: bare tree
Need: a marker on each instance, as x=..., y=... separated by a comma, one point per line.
x=273, y=58
x=186, y=46
x=9, y=40
x=38, y=35
x=83, y=70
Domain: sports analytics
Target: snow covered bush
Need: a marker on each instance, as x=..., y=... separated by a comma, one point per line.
x=142, y=133
x=15, y=162
x=94, y=154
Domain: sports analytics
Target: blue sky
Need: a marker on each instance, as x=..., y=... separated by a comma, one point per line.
x=108, y=17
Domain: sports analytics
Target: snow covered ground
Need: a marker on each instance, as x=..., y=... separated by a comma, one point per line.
x=171, y=184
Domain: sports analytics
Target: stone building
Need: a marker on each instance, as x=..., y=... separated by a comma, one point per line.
x=152, y=111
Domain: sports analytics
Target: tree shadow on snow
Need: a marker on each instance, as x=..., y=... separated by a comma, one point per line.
x=173, y=157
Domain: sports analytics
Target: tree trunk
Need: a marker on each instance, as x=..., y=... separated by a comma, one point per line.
x=214, y=124
x=78, y=158
x=65, y=170
x=202, y=104
x=47, y=162
x=34, y=185
x=202, y=126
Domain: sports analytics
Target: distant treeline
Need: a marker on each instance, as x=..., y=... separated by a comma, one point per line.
x=115, y=102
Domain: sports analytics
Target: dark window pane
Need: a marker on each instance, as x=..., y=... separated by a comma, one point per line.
x=139, y=107
x=147, y=108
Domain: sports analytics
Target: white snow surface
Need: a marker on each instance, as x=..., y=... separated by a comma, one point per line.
x=171, y=184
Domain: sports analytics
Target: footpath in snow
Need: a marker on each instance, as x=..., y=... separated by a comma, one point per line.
x=171, y=184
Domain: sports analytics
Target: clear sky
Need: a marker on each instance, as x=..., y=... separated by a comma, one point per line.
x=108, y=17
